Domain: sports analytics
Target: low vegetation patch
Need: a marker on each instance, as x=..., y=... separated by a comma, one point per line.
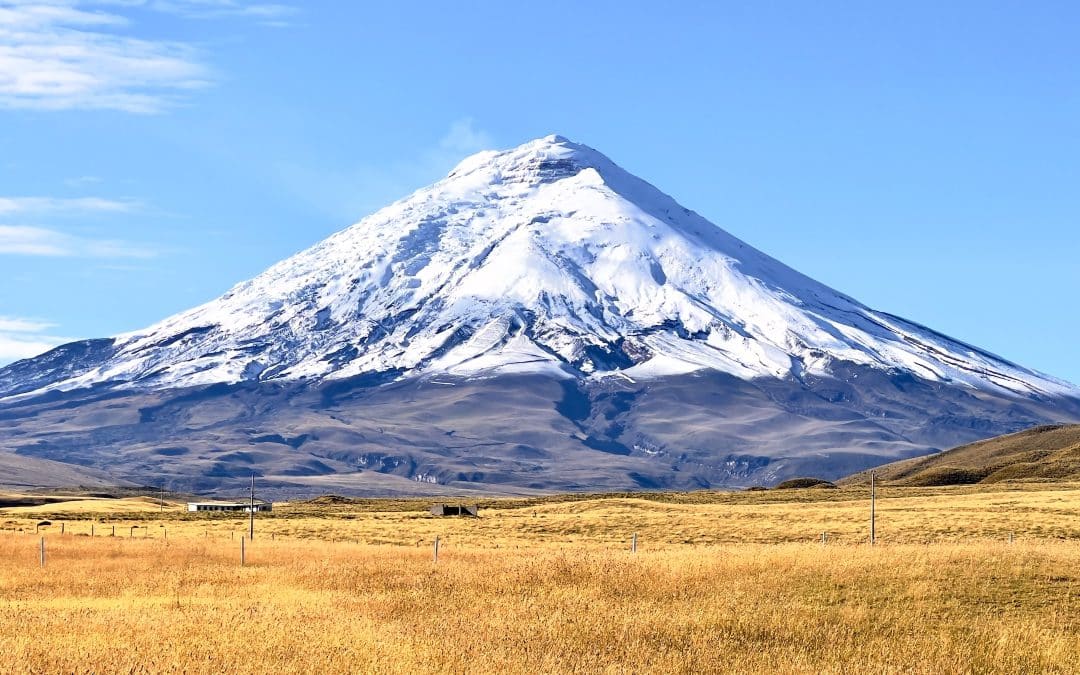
x=946, y=475
x=803, y=483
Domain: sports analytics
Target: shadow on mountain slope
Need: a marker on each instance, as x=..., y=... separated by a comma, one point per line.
x=520, y=433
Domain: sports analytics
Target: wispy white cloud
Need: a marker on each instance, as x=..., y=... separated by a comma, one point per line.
x=271, y=13
x=22, y=338
x=82, y=181
x=67, y=54
x=353, y=192
x=9, y=205
x=9, y=324
x=63, y=55
x=44, y=13
x=463, y=138
x=27, y=240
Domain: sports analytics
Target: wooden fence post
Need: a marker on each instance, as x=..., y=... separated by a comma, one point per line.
x=873, y=506
x=242, y=552
x=633, y=543
x=436, y=548
x=43, y=552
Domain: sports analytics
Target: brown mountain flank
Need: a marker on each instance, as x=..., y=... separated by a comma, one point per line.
x=1043, y=453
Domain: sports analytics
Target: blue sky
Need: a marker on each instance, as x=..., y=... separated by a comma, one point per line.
x=923, y=159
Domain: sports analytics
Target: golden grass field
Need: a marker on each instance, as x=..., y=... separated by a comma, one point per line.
x=721, y=582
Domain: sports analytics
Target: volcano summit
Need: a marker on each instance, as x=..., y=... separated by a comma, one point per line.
x=540, y=319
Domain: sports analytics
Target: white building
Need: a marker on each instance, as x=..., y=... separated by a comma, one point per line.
x=229, y=506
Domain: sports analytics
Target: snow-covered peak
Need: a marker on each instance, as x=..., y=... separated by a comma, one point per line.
x=542, y=160
x=546, y=257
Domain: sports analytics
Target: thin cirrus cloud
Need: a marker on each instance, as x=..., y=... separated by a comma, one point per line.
x=27, y=240
x=348, y=193
x=32, y=240
x=22, y=338
x=82, y=181
x=10, y=205
x=81, y=54
x=267, y=13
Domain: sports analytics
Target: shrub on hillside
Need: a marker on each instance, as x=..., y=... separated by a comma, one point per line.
x=801, y=483
x=947, y=475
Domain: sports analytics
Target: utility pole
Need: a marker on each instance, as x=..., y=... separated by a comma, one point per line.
x=251, y=511
x=873, y=514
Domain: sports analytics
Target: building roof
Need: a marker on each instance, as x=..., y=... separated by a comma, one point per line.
x=243, y=502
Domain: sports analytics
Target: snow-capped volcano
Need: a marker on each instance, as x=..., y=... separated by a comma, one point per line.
x=539, y=319
x=546, y=257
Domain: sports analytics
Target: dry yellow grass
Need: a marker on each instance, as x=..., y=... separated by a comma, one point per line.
x=94, y=506
x=552, y=587
x=153, y=606
x=905, y=515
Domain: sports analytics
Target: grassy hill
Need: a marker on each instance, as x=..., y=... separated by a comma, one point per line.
x=1046, y=453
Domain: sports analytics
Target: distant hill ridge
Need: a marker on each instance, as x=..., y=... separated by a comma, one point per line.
x=1042, y=453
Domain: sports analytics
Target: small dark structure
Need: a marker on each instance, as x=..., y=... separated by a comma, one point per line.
x=472, y=511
